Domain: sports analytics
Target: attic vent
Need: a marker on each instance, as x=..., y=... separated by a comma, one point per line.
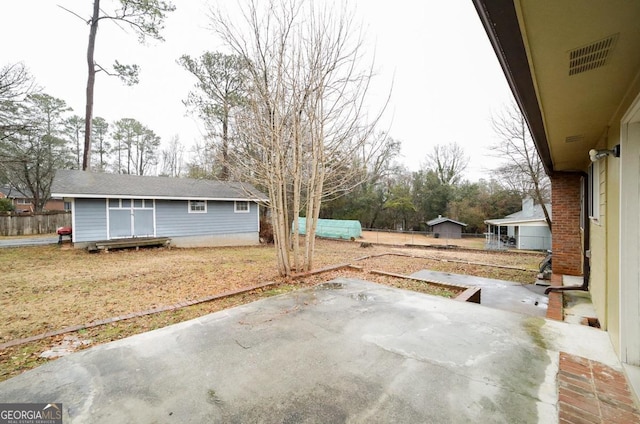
x=574, y=138
x=590, y=57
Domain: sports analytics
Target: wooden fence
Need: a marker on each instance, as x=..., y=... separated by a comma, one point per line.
x=42, y=223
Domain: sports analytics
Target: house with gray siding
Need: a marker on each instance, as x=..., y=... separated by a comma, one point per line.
x=526, y=229
x=443, y=227
x=193, y=213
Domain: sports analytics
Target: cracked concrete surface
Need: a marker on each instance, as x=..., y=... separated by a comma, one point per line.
x=500, y=294
x=348, y=351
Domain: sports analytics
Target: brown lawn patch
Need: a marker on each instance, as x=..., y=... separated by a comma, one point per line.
x=409, y=237
x=46, y=288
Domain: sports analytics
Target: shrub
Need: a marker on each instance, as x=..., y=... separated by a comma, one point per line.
x=6, y=205
x=266, y=231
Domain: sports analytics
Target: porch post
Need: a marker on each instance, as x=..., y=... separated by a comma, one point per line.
x=566, y=237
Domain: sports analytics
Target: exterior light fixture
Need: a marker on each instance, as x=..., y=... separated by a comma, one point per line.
x=596, y=155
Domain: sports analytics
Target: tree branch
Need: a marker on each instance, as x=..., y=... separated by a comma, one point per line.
x=86, y=21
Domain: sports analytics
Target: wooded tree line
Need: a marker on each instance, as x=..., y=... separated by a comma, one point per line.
x=400, y=199
x=404, y=200
x=39, y=133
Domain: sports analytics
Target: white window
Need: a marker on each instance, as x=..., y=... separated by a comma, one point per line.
x=241, y=207
x=130, y=203
x=197, y=206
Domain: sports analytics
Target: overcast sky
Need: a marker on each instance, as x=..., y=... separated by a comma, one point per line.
x=446, y=79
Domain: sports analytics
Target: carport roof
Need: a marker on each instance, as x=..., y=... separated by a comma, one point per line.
x=83, y=184
x=523, y=217
x=520, y=221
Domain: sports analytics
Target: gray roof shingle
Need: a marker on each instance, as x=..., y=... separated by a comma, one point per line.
x=534, y=214
x=441, y=219
x=13, y=193
x=78, y=184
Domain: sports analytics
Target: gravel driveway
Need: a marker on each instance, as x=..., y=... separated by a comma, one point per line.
x=28, y=241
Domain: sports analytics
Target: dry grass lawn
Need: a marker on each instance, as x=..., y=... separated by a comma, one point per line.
x=47, y=288
x=409, y=237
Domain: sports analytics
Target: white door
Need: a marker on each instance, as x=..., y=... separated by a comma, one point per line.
x=131, y=218
x=630, y=238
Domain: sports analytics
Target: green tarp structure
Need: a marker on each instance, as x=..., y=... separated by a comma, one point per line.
x=334, y=228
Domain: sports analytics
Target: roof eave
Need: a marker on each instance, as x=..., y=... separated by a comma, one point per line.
x=500, y=21
x=514, y=221
x=437, y=222
x=148, y=197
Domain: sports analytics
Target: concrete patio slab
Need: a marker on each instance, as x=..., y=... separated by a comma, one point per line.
x=345, y=351
x=506, y=295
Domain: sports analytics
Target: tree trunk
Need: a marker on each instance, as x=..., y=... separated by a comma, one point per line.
x=278, y=195
x=316, y=182
x=91, y=79
x=224, y=173
x=297, y=152
x=279, y=214
x=540, y=198
x=141, y=159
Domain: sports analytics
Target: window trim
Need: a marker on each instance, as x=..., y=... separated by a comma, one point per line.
x=235, y=206
x=192, y=203
x=125, y=203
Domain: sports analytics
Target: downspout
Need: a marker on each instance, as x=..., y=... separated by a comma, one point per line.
x=586, y=243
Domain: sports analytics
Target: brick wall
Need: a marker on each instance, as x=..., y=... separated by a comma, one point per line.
x=566, y=233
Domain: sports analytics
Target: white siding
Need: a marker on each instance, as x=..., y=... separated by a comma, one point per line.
x=534, y=238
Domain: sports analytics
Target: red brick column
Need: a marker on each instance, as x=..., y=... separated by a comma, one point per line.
x=566, y=235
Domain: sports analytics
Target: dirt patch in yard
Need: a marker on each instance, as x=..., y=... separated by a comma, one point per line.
x=46, y=288
x=422, y=239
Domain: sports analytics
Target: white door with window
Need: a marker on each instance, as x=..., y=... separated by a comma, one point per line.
x=131, y=218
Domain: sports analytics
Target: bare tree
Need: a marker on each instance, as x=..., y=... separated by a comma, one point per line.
x=304, y=120
x=523, y=170
x=15, y=84
x=173, y=158
x=146, y=19
x=448, y=161
x=203, y=163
